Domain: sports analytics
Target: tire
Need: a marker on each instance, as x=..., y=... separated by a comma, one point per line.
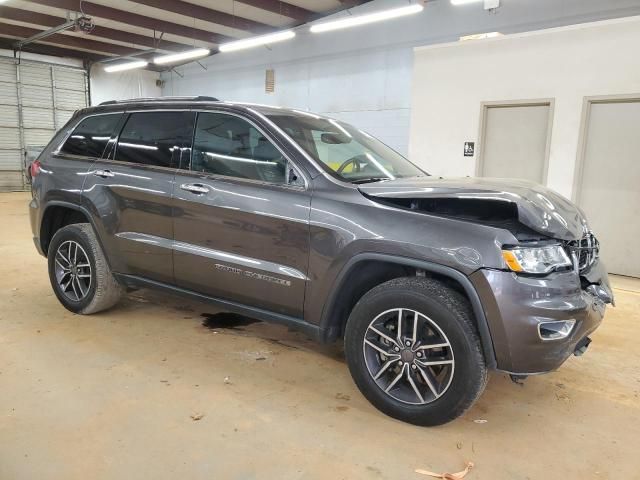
x=433, y=385
x=93, y=288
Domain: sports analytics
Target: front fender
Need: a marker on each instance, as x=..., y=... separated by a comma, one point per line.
x=328, y=319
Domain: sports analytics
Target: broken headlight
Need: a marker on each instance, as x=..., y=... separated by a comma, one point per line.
x=538, y=260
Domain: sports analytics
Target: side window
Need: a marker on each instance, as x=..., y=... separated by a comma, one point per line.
x=155, y=138
x=92, y=135
x=230, y=146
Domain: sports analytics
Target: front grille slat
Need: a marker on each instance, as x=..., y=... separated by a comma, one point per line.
x=584, y=251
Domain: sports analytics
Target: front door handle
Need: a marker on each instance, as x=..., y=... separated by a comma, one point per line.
x=104, y=173
x=194, y=188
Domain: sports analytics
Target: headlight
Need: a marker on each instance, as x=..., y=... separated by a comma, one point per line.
x=536, y=259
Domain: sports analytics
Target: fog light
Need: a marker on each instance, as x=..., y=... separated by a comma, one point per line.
x=556, y=330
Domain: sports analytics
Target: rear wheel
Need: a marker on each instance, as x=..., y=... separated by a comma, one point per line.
x=413, y=351
x=78, y=271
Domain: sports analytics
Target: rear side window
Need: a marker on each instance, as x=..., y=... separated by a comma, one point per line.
x=230, y=146
x=155, y=138
x=92, y=135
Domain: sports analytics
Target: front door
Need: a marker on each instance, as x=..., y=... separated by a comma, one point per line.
x=131, y=190
x=241, y=218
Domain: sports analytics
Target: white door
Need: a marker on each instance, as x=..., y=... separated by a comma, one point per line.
x=609, y=191
x=36, y=99
x=515, y=141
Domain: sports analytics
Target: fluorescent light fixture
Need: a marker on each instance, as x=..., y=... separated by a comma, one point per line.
x=488, y=4
x=177, y=57
x=356, y=20
x=480, y=36
x=257, y=41
x=125, y=66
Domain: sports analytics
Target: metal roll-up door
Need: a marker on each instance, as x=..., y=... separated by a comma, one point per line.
x=11, y=177
x=36, y=99
x=70, y=93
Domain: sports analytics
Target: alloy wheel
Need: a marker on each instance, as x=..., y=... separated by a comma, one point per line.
x=73, y=270
x=408, y=356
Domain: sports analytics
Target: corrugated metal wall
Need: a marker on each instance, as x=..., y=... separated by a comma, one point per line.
x=36, y=99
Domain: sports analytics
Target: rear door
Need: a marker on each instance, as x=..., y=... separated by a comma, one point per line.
x=241, y=220
x=131, y=190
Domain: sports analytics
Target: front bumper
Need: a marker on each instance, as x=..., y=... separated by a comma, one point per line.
x=515, y=306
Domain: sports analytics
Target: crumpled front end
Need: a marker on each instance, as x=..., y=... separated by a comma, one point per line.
x=536, y=323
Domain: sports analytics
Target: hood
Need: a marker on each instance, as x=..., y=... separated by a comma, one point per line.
x=538, y=207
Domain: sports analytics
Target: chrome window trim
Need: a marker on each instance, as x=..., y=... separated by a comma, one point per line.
x=249, y=180
x=112, y=161
x=301, y=150
x=58, y=150
x=199, y=109
x=114, y=149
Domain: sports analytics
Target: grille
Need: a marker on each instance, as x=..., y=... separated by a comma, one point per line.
x=583, y=252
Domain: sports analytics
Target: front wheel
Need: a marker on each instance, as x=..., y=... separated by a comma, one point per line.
x=413, y=351
x=79, y=273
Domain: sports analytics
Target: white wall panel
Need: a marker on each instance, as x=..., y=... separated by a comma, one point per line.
x=35, y=137
x=35, y=100
x=69, y=79
x=37, y=118
x=62, y=117
x=35, y=74
x=565, y=64
x=70, y=99
x=10, y=160
x=365, y=73
x=9, y=138
x=36, y=96
x=8, y=115
x=7, y=72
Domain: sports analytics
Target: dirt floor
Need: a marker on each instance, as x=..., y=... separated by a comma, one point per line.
x=158, y=389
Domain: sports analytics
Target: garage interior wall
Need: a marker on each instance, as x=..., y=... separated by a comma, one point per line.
x=38, y=95
x=363, y=75
x=122, y=85
x=451, y=81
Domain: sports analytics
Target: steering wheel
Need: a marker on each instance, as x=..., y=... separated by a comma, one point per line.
x=357, y=161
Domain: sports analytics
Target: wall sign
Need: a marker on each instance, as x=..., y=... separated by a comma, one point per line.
x=469, y=149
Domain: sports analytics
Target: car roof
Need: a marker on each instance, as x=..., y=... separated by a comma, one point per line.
x=190, y=102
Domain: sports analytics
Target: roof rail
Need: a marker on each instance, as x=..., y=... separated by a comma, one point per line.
x=198, y=98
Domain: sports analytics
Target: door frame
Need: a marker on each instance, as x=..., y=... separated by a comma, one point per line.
x=587, y=102
x=539, y=102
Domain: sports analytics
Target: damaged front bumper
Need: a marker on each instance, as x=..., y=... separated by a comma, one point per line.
x=524, y=311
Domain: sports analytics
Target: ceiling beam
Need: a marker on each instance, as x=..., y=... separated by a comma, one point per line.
x=142, y=21
x=66, y=40
x=208, y=15
x=35, y=18
x=51, y=50
x=299, y=14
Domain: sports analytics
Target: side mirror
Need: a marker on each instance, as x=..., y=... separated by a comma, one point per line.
x=293, y=177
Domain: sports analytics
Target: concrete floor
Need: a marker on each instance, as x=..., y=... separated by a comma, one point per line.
x=139, y=392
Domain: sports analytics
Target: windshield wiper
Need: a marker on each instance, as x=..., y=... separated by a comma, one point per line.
x=369, y=180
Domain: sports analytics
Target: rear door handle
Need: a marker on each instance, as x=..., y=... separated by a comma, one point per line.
x=104, y=173
x=194, y=188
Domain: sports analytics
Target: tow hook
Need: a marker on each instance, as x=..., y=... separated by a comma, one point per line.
x=582, y=346
x=518, y=379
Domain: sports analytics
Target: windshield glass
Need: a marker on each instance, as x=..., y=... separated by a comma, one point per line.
x=344, y=151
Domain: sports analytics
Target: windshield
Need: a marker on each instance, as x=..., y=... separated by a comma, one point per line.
x=344, y=151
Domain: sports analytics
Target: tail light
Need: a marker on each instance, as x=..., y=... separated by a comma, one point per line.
x=34, y=168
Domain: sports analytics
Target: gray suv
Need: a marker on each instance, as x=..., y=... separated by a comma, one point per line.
x=291, y=217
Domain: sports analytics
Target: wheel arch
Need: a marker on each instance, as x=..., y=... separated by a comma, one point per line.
x=58, y=214
x=364, y=267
